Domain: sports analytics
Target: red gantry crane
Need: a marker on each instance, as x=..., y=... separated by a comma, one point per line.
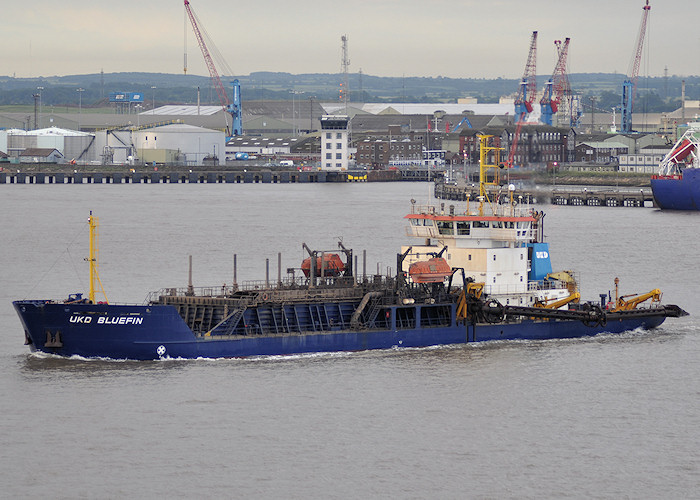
x=557, y=86
x=526, y=96
x=528, y=84
x=629, y=86
x=234, y=108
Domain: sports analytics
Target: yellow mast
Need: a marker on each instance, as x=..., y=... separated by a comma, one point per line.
x=484, y=150
x=94, y=276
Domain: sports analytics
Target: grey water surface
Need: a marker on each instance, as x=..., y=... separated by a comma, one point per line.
x=602, y=417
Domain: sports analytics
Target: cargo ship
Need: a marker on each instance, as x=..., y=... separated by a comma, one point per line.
x=479, y=272
x=677, y=184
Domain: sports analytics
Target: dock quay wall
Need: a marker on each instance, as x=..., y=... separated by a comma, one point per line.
x=200, y=176
x=599, y=196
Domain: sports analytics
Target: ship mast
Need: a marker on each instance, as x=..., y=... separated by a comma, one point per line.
x=94, y=264
x=487, y=151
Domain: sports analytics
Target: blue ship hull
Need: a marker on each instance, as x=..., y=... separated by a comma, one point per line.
x=156, y=331
x=678, y=192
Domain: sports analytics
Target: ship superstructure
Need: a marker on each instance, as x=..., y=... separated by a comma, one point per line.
x=496, y=241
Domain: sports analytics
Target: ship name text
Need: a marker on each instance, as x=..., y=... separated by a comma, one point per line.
x=106, y=320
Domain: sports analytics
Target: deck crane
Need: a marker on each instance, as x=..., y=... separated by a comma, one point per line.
x=232, y=107
x=629, y=86
x=526, y=96
x=557, y=86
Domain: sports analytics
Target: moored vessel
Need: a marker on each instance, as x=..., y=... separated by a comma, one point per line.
x=677, y=184
x=479, y=272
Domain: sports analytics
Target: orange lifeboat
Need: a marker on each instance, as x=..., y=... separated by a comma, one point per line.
x=333, y=265
x=434, y=270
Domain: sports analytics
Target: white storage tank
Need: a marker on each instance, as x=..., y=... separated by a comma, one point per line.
x=195, y=143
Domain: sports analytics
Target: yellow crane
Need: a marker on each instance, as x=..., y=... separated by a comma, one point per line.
x=556, y=304
x=475, y=290
x=625, y=303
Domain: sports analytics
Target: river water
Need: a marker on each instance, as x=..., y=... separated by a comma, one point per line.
x=603, y=417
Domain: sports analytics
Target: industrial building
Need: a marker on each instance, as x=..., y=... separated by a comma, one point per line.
x=171, y=143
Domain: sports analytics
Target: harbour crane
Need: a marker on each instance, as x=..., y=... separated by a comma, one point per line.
x=557, y=86
x=463, y=121
x=528, y=83
x=525, y=97
x=629, y=86
x=233, y=107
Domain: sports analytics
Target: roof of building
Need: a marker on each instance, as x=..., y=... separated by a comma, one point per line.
x=299, y=108
x=409, y=108
x=183, y=110
x=605, y=145
x=655, y=148
x=690, y=112
x=381, y=123
x=182, y=128
x=39, y=152
x=265, y=142
x=50, y=131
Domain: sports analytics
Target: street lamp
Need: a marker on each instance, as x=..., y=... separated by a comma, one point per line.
x=80, y=105
x=311, y=113
x=153, y=99
x=138, y=108
x=39, y=89
x=294, y=93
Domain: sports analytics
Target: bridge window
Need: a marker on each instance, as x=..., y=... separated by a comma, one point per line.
x=445, y=227
x=463, y=227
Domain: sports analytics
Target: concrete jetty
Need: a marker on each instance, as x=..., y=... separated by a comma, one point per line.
x=599, y=196
x=206, y=176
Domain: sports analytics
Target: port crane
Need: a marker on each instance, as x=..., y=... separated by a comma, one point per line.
x=557, y=87
x=463, y=121
x=629, y=86
x=528, y=83
x=525, y=97
x=233, y=107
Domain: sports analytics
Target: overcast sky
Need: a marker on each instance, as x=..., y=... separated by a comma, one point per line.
x=455, y=38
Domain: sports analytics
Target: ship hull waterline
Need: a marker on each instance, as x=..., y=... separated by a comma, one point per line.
x=679, y=192
x=157, y=331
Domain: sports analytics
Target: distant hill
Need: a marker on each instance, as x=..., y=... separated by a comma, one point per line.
x=657, y=94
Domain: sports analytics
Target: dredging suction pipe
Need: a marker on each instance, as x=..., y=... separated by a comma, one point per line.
x=355, y=318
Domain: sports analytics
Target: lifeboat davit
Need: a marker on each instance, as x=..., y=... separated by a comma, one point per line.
x=434, y=270
x=682, y=151
x=332, y=265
